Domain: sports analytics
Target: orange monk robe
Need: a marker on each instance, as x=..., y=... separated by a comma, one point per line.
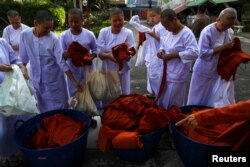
x=56, y=130
x=121, y=53
x=130, y=116
x=79, y=54
x=230, y=59
x=142, y=38
x=238, y=115
x=229, y=114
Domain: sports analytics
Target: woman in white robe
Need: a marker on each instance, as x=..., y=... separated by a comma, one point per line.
x=110, y=37
x=155, y=65
x=214, y=38
x=83, y=36
x=178, y=48
x=42, y=48
x=12, y=32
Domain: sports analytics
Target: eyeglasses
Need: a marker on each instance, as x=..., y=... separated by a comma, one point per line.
x=225, y=26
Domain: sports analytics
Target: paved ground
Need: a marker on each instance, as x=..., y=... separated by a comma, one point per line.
x=166, y=155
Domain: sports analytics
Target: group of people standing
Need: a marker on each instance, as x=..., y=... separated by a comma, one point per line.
x=48, y=62
x=180, y=46
x=44, y=60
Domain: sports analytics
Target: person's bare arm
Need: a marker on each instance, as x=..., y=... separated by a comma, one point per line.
x=73, y=80
x=222, y=115
x=154, y=35
x=15, y=47
x=24, y=71
x=107, y=55
x=190, y=121
x=5, y=67
x=169, y=56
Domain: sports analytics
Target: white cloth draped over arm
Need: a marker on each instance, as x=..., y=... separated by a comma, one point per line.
x=135, y=22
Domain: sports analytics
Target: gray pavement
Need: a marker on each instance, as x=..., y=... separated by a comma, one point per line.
x=166, y=155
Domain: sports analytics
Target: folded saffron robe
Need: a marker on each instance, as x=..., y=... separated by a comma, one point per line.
x=230, y=59
x=79, y=54
x=122, y=52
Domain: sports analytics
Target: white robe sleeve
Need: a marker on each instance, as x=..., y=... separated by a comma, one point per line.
x=6, y=34
x=22, y=50
x=191, y=51
x=206, y=52
x=101, y=41
x=131, y=39
x=58, y=53
x=93, y=45
x=62, y=39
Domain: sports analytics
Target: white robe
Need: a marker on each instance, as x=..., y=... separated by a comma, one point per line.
x=153, y=63
x=12, y=35
x=151, y=46
x=47, y=69
x=88, y=40
x=205, y=75
x=178, y=69
x=7, y=130
x=106, y=40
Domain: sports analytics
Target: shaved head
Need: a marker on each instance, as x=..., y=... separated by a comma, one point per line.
x=75, y=11
x=116, y=11
x=228, y=13
x=13, y=13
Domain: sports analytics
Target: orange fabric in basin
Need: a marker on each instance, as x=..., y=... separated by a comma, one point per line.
x=57, y=130
x=229, y=125
x=127, y=140
x=133, y=113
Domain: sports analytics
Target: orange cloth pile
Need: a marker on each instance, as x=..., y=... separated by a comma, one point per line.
x=132, y=113
x=121, y=53
x=79, y=54
x=56, y=130
x=225, y=125
x=230, y=59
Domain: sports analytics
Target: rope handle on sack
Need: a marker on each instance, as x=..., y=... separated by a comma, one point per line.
x=75, y=103
x=18, y=123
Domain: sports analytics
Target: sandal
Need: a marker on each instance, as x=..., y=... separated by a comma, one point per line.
x=12, y=161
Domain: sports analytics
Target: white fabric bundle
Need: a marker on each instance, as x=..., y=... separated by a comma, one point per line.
x=147, y=51
x=136, y=23
x=15, y=95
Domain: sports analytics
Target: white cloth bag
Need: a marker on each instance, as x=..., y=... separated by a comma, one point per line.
x=15, y=95
x=83, y=101
x=97, y=83
x=140, y=56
